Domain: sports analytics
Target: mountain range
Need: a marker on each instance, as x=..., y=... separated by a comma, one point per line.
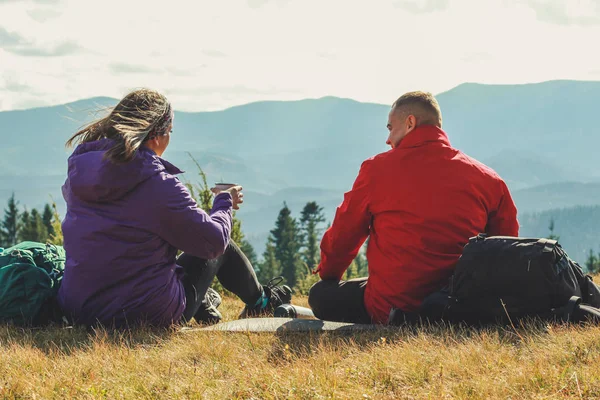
x=541, y=138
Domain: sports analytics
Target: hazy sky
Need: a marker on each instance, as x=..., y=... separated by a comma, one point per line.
x=208, y=55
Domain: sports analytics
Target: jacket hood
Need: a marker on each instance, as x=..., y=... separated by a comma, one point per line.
x=92, y=178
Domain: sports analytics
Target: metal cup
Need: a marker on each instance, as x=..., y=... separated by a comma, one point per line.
x=224, y=186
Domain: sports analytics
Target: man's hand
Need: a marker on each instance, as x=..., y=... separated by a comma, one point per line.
x=236, y=194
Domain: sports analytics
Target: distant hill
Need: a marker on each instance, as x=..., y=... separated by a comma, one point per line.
x=537, y=136
x=522, y=169
x=521, y=129
x=555, y=120
x=557, y=195
x=33, y=141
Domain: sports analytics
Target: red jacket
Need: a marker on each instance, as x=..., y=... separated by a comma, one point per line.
x=419, y=203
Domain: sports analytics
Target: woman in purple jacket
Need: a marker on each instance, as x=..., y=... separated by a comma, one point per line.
x=128, y=214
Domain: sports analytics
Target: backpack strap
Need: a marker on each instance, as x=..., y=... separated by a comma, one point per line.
x=548, y=245
x=565, y=313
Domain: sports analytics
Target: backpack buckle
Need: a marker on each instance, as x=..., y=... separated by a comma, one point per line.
x=478, y=238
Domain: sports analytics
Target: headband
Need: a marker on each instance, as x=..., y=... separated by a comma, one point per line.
x=161, y=126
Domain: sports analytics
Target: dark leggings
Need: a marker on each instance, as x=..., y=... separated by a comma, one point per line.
x=233, y=270
x=342, y=301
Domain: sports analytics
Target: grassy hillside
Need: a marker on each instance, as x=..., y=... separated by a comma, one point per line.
x=535, y=362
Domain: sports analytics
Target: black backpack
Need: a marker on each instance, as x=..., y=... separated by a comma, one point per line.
x=502, y=279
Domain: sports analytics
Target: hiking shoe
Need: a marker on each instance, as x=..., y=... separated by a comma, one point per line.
x=212, y=297
x=277, y=296
x=208, y=313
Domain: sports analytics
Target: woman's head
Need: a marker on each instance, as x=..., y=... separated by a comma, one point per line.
x=143, y=117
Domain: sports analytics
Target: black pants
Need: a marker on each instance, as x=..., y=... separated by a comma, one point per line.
x=233, y=270
x=341, y=301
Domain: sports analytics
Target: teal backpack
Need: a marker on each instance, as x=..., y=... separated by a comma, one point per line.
x=30, y=275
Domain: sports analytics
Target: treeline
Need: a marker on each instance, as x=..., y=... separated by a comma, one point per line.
x=577, y=229
x=292, y=248
x=592, y=263
x=20, y=224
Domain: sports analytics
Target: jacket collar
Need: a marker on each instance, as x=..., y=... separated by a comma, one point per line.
x=422, y=135
x=170, y=168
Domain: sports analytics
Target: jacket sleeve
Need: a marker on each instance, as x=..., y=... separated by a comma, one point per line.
x=187, y=227
x=349, y=230
x=503, y=220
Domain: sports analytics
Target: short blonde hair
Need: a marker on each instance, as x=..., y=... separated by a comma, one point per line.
x=422, y=105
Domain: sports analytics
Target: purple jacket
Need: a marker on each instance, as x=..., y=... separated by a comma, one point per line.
x=123, y=226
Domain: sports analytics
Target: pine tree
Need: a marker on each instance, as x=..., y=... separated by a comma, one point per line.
x=47, y=217
x=352, y=271
x=551, y=229
x=40, y=228
x=311, y=216
x=9, y=228
x=592, y=263
x=24, y=225
x=32, y=227
x=362, y=266
x=56, y=237
x=270, y=266
x=286, y=238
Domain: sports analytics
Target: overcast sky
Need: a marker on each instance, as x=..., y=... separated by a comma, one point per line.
x=208, y=55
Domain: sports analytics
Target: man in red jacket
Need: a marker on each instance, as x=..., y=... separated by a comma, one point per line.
x=419, y=203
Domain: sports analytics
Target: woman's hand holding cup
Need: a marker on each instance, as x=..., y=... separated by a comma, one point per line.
x=233, y=189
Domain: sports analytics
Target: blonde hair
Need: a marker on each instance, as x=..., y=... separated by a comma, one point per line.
x=128, y=124
x=422, y=105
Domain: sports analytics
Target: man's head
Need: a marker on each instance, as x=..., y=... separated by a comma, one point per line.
x=411, y=110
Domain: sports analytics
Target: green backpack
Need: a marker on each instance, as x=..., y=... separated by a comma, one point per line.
x=30, y=275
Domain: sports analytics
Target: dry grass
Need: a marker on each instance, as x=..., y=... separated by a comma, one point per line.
x=539, y=362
